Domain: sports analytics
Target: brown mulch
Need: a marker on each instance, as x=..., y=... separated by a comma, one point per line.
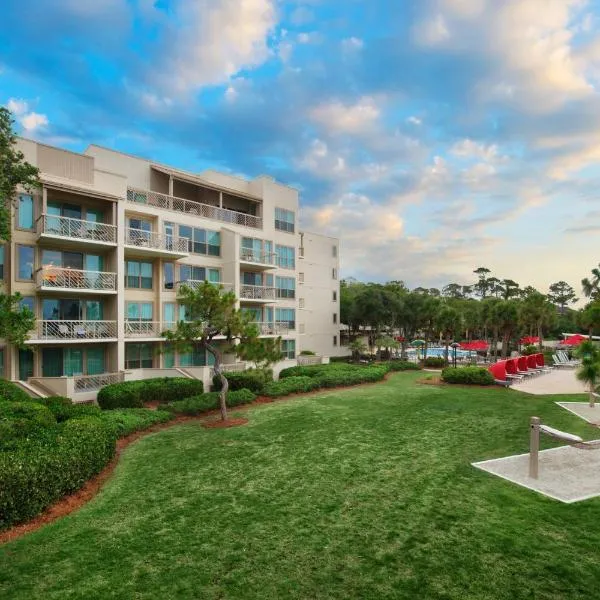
x=431, y=381
x=74, y=501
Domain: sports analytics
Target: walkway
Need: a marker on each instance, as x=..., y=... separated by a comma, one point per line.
x=559, y=381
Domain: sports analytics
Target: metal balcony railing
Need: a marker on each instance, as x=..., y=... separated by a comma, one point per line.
x=272, y=328
x=75, y=330
x=67, y=227
x=60, y=277
x=206, y=211
x=251, y=256
x=257, y=292
x=195, y=283
x=155, y=241
x=138, y=328
x=89, y=383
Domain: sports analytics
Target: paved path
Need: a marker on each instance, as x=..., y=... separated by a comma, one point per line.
x=559, y=381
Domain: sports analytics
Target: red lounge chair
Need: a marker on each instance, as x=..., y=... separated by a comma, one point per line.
x=512, y=370
x=522, y=368
x=532, y=364
x=541, y=363
x=498, y=371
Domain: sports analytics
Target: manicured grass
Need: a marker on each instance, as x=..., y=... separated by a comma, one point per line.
x=363, y=493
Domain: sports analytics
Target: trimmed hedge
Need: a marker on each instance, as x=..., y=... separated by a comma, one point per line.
x=13, y=393
x=63, y=409
x=124, y=421
x=21, y=420
x=401, y=365
x=133, y=394
x=316, y=370
x=436, y=362
x=251, y=379
x=205, y=402
x=468, y=376
x=291, y=385
x=338, y=377
x=42, y=469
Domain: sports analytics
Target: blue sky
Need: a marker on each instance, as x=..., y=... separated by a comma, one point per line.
x=432, y=136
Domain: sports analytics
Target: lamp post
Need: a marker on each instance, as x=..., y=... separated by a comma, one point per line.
x=454, y=346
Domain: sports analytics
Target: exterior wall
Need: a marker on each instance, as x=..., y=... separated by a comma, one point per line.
x=99, y=179
x=319, y=332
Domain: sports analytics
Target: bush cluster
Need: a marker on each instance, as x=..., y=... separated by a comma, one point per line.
x=133, y=394
x=402, y=365
x=40, y=469
x=63, y=409
x=205, y=402
x=435, y=362
x=291, y=385
x=124, y=421
x=20, y=420
x=251, y=379
x=11, y=392
x=468, y=376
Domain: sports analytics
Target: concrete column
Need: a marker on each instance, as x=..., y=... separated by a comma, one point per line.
x=120, y=270
x=220, y=199
x=170, y=185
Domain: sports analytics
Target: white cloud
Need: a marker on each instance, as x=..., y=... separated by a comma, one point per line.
x=468, y=148
x=28, y=119
x=216, y=39
x=302, y=16
x=432, y=31
x=17, y=106
x=337, y=117
x=352, y=43
x=414, y=120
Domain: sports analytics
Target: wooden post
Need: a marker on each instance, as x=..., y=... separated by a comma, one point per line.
x=534, y=447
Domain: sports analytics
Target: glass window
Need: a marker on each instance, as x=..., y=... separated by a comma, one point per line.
x=27, y=302
x=94, y=361
x=335, y=340
x=286, y=257
x=51, y=258
x=138, y=356
x=52, y=362
x=25, y=256
x=214, y=275
x=286, y=287
x=199, y=246
x=284, y=220
x=1, y=262
x=94, y=215
x=50, y=309
x=288, y=348
x=196, y=358
x=146, y=276
x=334, y=298
x=94, y=310
x=72, y=361
x=140, y=311
x=334, y=273
x=25, y=212
x=138, y=274
x=168, y=357
x=335, y=318
x=169, y=312
x=214, y=243
x=168, y=275
x=190, y=273
x=186, y=233
x=286, y=316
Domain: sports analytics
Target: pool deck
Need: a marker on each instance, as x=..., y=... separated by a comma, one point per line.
x=559, y=381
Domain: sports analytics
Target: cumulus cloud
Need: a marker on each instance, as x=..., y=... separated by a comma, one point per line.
x=354, y=118
x=29, y=120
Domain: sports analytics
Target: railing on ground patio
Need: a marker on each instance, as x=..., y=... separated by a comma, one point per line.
x=89, y=383
x=306, y=360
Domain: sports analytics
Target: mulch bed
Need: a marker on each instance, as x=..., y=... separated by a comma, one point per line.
x=74, y=501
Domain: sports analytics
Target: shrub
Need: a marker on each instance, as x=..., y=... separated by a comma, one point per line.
x=63, y=409
x=468, y=376
x=316, y=370
x=307, y=353
x=13, y=393
x=205, y=402
x=402, y=365
x=291, y=385
x=124, y=421
x=340, y=359
x=529, y=349
x=337, y=378
x=251, y=379
x=22, y=419
x=42, y=469
x=435, y=362
x=133, y=394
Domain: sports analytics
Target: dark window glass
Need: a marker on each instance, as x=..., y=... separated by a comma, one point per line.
x=25, y=262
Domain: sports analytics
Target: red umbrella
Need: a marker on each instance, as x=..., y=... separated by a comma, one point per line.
x=475, y=345
x=530, y=340
x=574, y=340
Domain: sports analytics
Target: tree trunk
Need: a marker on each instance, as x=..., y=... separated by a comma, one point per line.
x=541, y=341
x=446, y=345
x=224, y=383
x=504, y=345
x=592, y=397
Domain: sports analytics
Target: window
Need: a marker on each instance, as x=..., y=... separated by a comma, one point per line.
x=300, y=277
x=168, y=275
x=27, y=302
x=201, y=241
x=168, y=357
x=301, y=302
x=25, y=263
x=198, y=357
x=285, y=257
x=94, y=361
x=94, y=310
x=334, y=250
x=334, y=297
x=139, y=311
x=288, y=348
x=335, y=318
x=1, y=262
x=138, y=356
x=286, y=287
x=169, y=313
x=334, y=273
x=286, y=316
x=138, y=274
x=284, y=220
x=190, y=273
x=25, y=212
x=335, y=340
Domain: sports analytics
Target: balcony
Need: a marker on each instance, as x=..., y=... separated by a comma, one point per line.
x=143, y=329
x=74, y=331
x=152, y=244
x=257, y=293
x=191, y=207
x=196, y=283
x=272, y=328
x=92, y=383
x=69, y=232
x=257, y=261
x=60, y=279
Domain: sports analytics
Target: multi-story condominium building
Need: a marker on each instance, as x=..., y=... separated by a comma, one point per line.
x=100, y=251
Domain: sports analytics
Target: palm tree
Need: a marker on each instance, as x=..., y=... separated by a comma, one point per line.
x=449, y=321
x=591, y=287
x=537, y=312
x=589, y=371
x=505, y=315
x=357, y=347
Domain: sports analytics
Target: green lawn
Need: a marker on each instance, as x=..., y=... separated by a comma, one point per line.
x=365, y=493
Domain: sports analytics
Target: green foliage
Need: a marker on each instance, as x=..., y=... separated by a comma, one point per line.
x=307, y=353
x=205, y=402
x=316, y=370
x=468, y=376
x=589, y=371
x=21, y=420
x=11, y=392
x=434, y=362
x=401, y=365
x=133, y=394
x=291, y=385
x=40, y=470
x=263, y=352
x=16, y=321
x=124, y=421
x=251, y=379
x=63, y=409
x=529, y=349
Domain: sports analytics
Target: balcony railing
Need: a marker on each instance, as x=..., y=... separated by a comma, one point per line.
x=272, y=328
x=75, y=279
x=90, y=383
x=67, y=227
x=195, y=283
x=257, y=292
x=76, y=330
x=155, y=241
x=230, y=368
x=192, y=207
x=142, y=328
x=251, y=256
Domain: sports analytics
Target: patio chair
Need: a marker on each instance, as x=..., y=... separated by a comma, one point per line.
x=565, y=358
x=560, y=363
